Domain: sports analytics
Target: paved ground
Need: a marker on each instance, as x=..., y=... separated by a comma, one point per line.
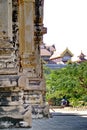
x=63, y=119
x=70, y=111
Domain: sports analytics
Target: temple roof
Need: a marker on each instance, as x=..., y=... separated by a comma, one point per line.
x=55, y=55
x=82, y=55
x=66, y=51
x=45, y=52
x=61, y=54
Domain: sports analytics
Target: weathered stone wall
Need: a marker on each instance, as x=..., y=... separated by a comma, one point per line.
x=22, y=84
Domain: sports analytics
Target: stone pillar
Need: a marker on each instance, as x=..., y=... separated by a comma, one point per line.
x=30, y=38
x=27, y=51
x=26, y=28
x=10, y=19
x=6, y=18
x=21, y=33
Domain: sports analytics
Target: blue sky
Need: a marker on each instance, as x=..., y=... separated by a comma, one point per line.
x=66, y=21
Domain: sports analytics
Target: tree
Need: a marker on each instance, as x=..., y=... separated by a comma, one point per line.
x=70, y=81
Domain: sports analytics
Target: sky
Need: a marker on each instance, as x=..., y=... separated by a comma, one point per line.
x=66, y=22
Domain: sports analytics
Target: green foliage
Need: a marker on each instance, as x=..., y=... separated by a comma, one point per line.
x=70, y=81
